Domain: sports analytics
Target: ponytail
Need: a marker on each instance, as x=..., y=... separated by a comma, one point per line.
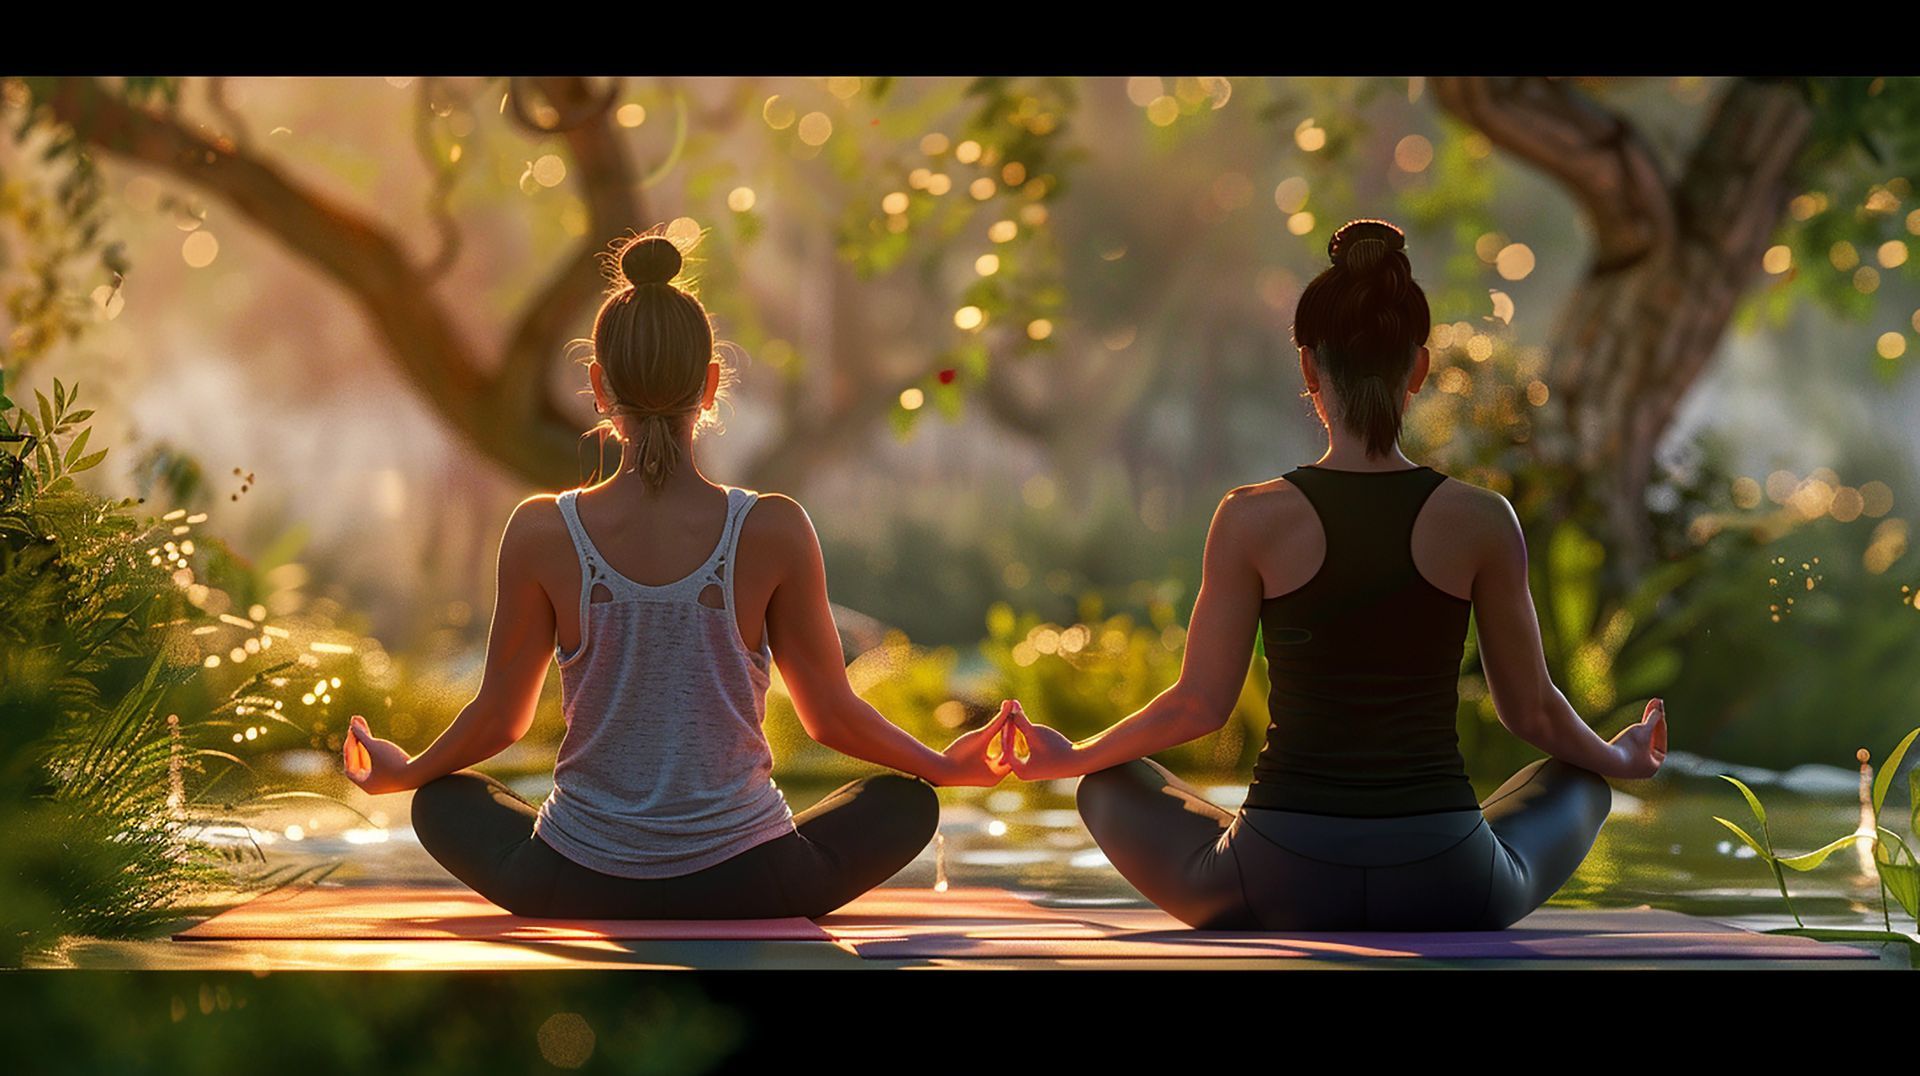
x=656, y=448
x=1364, y=317
x=654, y=342
x=1371, y=414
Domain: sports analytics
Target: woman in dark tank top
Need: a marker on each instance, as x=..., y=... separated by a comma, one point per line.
x=1360, y=814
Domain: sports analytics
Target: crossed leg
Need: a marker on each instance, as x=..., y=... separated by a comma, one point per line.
x=853, y=839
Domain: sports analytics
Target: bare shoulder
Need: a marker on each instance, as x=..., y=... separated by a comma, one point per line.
x=534, y=518
x=777, y=523
x=535, y=539
x=1260, y=506
x=1484, y=517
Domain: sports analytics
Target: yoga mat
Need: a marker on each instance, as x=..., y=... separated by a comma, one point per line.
x=1547, y=934
x=987, y=922
x=342, y=912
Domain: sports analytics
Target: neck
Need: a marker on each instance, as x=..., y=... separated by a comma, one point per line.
x=686, y=474
x=1346, y=453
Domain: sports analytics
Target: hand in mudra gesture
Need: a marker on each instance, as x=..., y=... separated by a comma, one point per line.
x=1049, y=754
x=376, y=765
x=973, y=755
x=1642, y=746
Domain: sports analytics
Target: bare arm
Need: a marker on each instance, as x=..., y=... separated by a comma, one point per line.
x=806, y=645
x=1214, y=666
x=519, y=650
x=1524, y=695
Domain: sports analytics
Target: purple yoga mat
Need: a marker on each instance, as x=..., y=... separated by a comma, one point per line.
x=1547, y=934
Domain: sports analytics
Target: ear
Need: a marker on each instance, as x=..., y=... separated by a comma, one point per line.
x=599, y=386
x=713, y=384
x=1306, y=369
x=1419, y=374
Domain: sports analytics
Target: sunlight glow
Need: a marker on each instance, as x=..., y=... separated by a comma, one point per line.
x=1310, y=137
x=199, y=249
x=1515, y=261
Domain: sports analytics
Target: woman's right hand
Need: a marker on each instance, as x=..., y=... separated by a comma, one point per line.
x=1642, y=746
x=968, y=759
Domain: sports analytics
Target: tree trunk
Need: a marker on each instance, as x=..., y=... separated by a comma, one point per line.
x=1670, y=263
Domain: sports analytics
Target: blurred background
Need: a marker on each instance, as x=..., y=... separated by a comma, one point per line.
x=1010, y=340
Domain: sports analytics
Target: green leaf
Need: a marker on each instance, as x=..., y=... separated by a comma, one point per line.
x=1884, y=779
x=46, y=412
x=1753, y=801
x=74, y=449
x=1913, y=800
x=1742, y=834
x=1903, y=881
x=87, y=461
x=1810, y=860
x=59, y=396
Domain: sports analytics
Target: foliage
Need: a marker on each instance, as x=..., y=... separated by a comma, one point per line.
x=1892, y=858
x=934, y=576
x=102, y=783
x=1856, y=172
x=87, y=752
x=911, y=686
x=1082, y=677
x=421, y=1022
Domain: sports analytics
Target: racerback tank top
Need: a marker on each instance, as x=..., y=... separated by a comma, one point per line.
x=1364, y=662
x=664, y=768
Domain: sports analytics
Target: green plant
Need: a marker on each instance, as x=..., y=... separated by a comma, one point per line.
x=1901, y=879
x=1082, y=677
x=103, y=785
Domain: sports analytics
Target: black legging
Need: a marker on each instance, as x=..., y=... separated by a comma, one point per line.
x=1266, y=869
x=854, y=838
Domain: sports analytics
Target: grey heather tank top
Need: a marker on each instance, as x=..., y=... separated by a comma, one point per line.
x=664, y=769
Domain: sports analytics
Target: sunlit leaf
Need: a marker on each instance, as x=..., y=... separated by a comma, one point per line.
x=1901, y=879
x=1809, y=860
x=78, y=445
x=1753, y=801
x=1884, y=779
x=1742, y=834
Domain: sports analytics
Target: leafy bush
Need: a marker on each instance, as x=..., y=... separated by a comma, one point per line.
x=101, y=781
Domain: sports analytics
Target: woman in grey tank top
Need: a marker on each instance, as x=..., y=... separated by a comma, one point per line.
x=664, y=804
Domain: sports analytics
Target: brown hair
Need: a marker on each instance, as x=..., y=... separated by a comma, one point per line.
x=653, y=341
x=1364, y=317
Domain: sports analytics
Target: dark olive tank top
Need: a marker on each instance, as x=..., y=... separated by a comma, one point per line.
x=1364, y=660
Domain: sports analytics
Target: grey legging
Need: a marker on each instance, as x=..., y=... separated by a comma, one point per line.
x=1266, y=869
x=854, y=838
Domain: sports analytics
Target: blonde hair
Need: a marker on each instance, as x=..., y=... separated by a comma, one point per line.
x=653, y=341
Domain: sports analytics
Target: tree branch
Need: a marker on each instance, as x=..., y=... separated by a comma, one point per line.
x=1599, y=157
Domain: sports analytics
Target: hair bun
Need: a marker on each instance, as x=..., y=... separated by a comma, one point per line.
x=1361, y=244
x=650, y=259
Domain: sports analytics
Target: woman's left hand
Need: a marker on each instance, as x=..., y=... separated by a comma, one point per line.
x=969, y=759
x=1049, y=755
x=377, y=766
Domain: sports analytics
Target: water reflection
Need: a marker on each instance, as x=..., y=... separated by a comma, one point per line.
x=1659, y=847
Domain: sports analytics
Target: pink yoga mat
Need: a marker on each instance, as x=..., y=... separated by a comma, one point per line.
x=344, y=912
